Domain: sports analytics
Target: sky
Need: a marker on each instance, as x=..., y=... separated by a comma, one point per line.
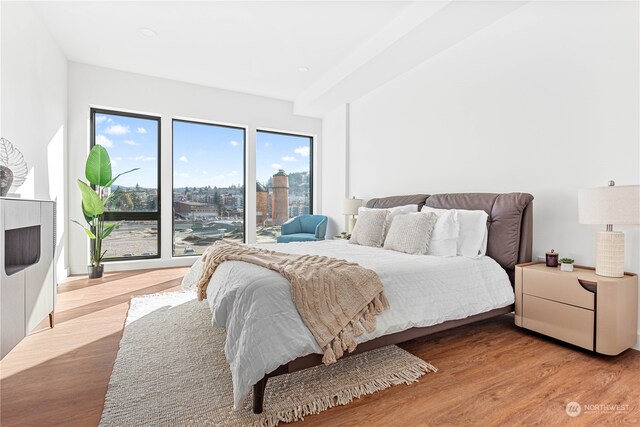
x=276, y=151
x=203, y=154
x=131, y=143
x=213, y=155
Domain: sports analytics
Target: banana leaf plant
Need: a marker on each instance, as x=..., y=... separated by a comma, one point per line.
x=94, y=199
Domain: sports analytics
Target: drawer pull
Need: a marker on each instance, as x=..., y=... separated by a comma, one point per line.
x=588, y=285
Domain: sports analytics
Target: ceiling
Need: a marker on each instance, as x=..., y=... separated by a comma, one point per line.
x=258, y=47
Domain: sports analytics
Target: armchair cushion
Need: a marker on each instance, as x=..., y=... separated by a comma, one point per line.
x=291, y=227
x=297, y=237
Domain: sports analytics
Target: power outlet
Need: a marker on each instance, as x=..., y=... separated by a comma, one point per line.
x=542, y=258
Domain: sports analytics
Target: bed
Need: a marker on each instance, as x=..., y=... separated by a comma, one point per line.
x=266, y=336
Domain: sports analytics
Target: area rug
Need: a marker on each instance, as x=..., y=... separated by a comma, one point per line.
x=171, y=370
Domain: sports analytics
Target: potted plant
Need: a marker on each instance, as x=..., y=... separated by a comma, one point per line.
x=566, y=264
x=98, y=173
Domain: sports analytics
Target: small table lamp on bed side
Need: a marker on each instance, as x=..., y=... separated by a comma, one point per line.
x=609, y=205
x=350, y=208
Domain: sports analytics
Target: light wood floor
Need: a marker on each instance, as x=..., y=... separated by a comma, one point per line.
x=491, y=373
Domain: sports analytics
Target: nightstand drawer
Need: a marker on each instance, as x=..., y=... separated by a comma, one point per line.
x=565, y=322
x=557, y=286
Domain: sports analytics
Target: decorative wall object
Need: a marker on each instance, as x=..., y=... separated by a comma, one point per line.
x=13, y=168
x=6, y=179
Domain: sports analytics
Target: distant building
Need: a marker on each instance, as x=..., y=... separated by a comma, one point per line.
x=297, y=210
x=192, y=209
x=262, y=204
x=280, y=198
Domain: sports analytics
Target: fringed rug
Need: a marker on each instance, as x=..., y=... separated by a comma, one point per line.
x=171, y=370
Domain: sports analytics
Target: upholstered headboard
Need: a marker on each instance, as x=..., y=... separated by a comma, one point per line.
x=510, y=221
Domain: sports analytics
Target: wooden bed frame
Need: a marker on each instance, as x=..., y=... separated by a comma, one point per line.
x=510, y=226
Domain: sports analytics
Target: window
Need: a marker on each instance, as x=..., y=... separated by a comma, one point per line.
x=208, y=185
x=284, y=174
x=132, y=141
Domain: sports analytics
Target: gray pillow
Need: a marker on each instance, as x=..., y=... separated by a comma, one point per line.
x=369, y=229
x=411, y=233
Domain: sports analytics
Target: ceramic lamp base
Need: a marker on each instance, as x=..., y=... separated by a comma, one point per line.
x=610, y=254
x=352, y=223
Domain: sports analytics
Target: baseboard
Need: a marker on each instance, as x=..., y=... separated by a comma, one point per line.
x=138, y=264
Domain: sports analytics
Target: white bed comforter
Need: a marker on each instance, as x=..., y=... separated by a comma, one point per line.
x=264, y=329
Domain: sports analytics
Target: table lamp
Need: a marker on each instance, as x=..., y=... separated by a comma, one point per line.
x=350, y=207
x=607, y=206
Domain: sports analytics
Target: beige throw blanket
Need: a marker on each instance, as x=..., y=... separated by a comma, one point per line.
x=335, y=298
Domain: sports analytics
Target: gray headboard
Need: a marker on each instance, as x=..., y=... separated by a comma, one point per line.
x=510, y=221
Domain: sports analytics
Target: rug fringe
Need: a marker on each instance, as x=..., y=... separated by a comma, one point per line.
x=165, y=293
x=408, y=375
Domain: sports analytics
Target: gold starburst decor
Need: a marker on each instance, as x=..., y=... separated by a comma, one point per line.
x=13, y=168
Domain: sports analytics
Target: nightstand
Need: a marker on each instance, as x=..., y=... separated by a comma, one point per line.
x=579, y=307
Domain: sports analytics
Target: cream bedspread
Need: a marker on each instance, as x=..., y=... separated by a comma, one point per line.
x=264, y=329
x=337, y=300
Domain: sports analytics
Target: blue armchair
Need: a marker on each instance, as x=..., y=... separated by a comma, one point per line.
x=304, y=228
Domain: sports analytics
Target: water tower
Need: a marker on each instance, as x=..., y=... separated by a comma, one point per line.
x=280, y=198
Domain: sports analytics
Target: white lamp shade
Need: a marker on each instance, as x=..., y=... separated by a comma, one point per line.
x=619, y=204
x=350, y=206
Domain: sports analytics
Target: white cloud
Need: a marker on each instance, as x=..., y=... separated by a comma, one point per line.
x=144, y=158
x=205, y=173
x=184, y=159
x=142, y=131
x=104, y=141
x=303, y=151
x=232, y=173
x=234, y=143
x=130, y=142
x=276, y=166
x=100, y=119
x=267, y=144
x=219, y=177
x=289, y=159
x=117, y=130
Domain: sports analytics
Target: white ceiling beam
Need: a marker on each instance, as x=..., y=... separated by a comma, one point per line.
x=422, y=31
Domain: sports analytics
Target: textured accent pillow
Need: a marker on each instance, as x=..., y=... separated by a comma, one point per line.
x=369, y=229
x=411, y=233
x=393, y=212
x=444, y=239
x=472, y=239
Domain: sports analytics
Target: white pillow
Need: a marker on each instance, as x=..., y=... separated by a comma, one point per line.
x=472, y=239
x=369, y=229
x=393, y=212
x=444, y=239
x=411, y=233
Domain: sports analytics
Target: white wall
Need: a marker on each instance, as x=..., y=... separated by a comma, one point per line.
x=544, y=101
x=34, y=109
x=100, y=87
x=334, y=159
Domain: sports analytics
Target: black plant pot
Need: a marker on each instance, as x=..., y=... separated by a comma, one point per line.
x=96, y=272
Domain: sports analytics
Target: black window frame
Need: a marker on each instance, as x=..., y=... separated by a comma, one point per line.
x=245, y=130
x=133, y=216
x=311, y=154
